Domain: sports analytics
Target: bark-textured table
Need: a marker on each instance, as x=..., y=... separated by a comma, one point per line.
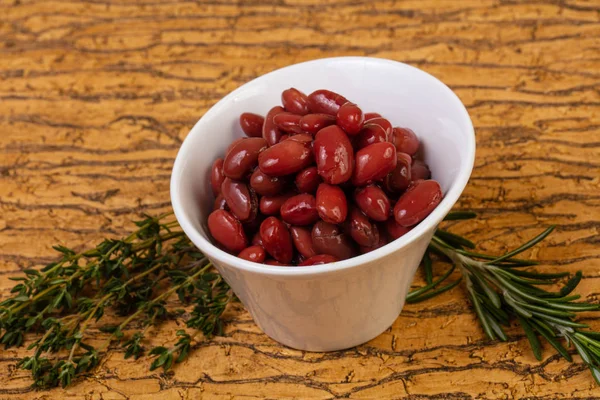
x=97, y=95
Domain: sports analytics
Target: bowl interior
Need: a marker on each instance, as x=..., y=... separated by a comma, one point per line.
x=405, y=95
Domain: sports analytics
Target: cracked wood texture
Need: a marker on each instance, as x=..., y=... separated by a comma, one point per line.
x=97, y=95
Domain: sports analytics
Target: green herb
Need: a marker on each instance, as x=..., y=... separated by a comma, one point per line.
x=500, y=291
x=134, y=277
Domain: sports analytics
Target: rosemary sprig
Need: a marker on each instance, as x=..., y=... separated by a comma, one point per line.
x=133, y=276
x=500, y=292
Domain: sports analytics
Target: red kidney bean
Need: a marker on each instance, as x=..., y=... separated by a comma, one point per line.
x=394, y=229
x=373, y=202
x=318, y=260
x=302, y=241
x=371, y=115
x=417, y=202
x=257, y=240
x=240, y=199
x=284, y=137
x=325, y=102
x=233, y=144
x=329, y=239
x=266, y=185
x=276, y=239
x=308, y=180
x=217, y=176
x=399, y=179
x=331, y=203
x=313, y=123
x=370, y=133
x=295, y=101
x=302, y=138
x=300, y=210
x=220, y=203
x=419, y=170
x=243, y=157
x=385, y=124
x=274, y=263
x=350, y=118
x=373, y=163
x=288, y=122
x=252, y=124
x=285, y=158
x=380, y=243
x=227, y=230
x=334, y=155
x=405, y=141
x=270, y=132
x=253, y=253
x=271, y=205
x=362, y=230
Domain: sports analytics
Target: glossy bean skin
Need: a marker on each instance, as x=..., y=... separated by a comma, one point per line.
x=373, y=202
x=301, y=138
x=394, y=229
x=302, y=239
x=233, y=144
x=325, y=102
x=285, y=158
x=332, y=205
x=300, y=210
x=318, y=260
x=399, y=179
x=350, y=118
x=227, y=231
x=334, y=155
x=253, y=253
x=243, y=157
x=419, y=170
x=266, y=185
x=288, y=122
x=417, y=202
x=242, y=201
x=256, y=239
x=367, y=249
x=220, y=203
x=270, y=132
x=217, y=176
x=277, y=240
x=371, y=115
x=373, y=163
x=370, y=134
x=362, y=230
x=294, y=101
x=313, y=123
x=308, y=180
x=405, y=141
x=252, y=124
x=384, y=124
x=329, y=239
x=271, y=205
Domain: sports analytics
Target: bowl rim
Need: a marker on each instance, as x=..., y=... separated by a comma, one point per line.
x=431, y=221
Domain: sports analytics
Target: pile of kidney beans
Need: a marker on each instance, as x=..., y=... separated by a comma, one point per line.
x=318, y=181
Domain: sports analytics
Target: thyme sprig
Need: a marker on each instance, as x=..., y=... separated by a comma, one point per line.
x=501, y=292
x=134, y=277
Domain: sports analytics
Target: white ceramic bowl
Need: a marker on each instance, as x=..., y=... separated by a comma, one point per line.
x=342, y=304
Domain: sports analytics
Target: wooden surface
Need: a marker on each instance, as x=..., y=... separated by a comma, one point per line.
x=97, y=95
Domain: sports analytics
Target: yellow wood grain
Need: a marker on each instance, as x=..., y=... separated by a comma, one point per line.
x=97, y=95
